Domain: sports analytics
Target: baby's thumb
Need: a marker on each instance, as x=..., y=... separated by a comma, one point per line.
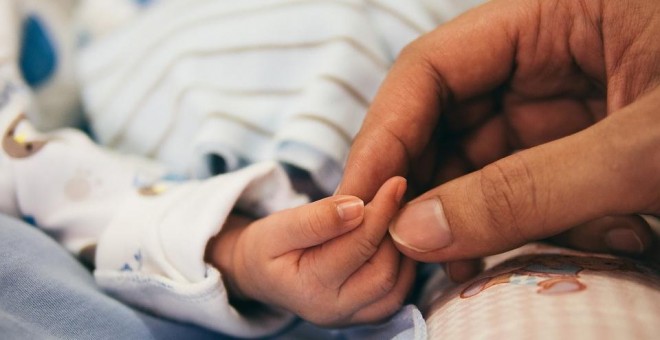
x=527, y=196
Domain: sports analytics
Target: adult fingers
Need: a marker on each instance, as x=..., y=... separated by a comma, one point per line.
x=625, y=235
x=311, y=224
x=463, y=270
x=487, y=143
x=335, y=261
x=540, y=192
x=460, y=60
x=537, y=121
x=654, y=223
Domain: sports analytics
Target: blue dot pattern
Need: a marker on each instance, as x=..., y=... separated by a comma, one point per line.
x=38, y=60
x=30, y=220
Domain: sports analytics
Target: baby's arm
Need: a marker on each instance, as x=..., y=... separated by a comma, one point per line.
x=329, y=262
x=149, y=233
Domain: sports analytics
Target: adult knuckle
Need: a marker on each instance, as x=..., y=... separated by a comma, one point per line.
x=510, y=197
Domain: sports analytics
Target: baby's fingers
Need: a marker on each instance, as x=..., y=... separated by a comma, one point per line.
x=311, y=224
x=336, y=260
x=392, y=301
x=372, y=293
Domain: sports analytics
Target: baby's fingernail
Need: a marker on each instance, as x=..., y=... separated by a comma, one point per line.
x=350, y=208
x=422, y=226
x=624, y=240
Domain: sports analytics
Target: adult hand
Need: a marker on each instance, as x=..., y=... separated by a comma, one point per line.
x=574, y=84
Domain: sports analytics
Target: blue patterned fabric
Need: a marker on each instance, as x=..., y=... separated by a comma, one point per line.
x=38, y=59
x=47, y=294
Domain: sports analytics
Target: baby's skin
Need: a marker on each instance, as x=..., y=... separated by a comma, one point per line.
x=331, y=262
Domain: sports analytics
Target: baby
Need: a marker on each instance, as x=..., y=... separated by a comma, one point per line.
x=195, y=89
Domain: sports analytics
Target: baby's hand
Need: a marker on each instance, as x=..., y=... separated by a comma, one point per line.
x=330, y=262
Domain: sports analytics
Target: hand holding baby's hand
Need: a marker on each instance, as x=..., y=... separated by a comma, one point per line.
x=329, y=262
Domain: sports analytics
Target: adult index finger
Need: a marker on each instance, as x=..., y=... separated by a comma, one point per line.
x=469, y=56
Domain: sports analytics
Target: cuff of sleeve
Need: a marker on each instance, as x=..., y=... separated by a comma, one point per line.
x=204, y=303
x=152, y=253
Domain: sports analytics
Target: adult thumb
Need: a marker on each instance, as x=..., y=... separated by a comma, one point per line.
x=533, y=194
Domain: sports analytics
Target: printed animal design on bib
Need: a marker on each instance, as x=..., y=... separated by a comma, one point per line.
x=553, y=274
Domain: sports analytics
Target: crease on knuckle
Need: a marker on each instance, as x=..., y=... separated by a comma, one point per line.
x=366, y=247
x=510, y=197
x=399, y=141
x=314, y=225
x=386, y=280
x=318, y=276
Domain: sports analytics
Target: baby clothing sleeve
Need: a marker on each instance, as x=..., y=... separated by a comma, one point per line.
x=155, y=260
x=150, y=234
x=150, y=229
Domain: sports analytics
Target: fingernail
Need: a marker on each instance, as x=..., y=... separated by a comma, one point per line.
x=350, y=208
x=422, y=226
x=624, y=240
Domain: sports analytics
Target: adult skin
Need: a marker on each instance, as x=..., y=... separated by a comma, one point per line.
x=573, y=84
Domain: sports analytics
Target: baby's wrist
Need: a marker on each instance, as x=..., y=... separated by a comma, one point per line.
x=221, y=254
